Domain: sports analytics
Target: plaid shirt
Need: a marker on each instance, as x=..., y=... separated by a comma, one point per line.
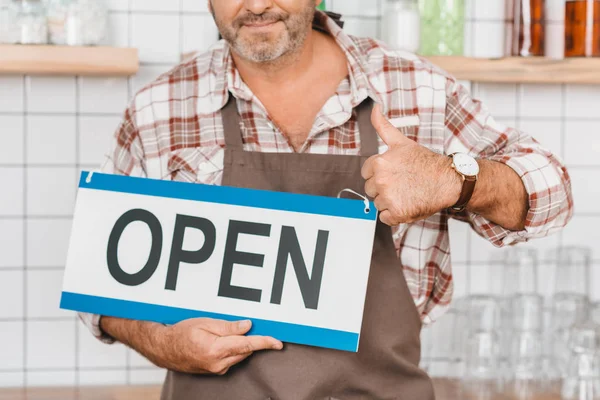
x=173, y=130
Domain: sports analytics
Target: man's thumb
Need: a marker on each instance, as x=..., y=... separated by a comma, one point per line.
x=387, y=132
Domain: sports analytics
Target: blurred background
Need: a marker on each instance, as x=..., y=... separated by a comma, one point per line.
x=522, y=318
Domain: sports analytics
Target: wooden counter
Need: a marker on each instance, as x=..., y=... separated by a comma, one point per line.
x=445, y=390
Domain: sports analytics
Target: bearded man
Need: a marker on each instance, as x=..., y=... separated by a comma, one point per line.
x=289, y=102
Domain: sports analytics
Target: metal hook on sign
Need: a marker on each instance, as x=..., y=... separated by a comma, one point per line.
x=88, y=179
x=90, y=174
x=365, y=199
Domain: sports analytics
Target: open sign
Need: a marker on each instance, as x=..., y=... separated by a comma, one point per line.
x=296, y=265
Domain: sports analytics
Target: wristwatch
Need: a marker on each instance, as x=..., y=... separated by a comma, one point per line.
x=468, y=168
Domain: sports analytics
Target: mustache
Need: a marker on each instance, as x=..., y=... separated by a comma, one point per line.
x=264, y=18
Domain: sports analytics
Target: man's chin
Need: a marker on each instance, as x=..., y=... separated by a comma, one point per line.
x=259, y=51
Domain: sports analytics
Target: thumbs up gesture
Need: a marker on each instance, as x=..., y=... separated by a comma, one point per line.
x=408, y=182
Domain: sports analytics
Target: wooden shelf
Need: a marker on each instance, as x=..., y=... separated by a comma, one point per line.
x=67, y=60
x=522, y=69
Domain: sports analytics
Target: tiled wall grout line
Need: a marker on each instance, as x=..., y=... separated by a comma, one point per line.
x=77, y=166
x=25, y=230
x=129, y=97
x=563, y=136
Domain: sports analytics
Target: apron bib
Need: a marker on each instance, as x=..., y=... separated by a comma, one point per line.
x=386, y=365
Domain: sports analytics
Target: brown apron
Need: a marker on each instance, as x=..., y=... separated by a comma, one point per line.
x=386, y=365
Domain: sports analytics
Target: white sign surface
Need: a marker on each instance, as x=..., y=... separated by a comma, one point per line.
x=296, y=265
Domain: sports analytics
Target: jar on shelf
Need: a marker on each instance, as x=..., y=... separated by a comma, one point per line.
x=77, y=22
x=442, y=27
x=9, y=29
x=529, y=30
x=555, y=29
x=401, y=24
x=582, y=28
x=31, y=22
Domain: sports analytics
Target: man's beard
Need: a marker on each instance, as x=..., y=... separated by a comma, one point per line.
x=261, y=48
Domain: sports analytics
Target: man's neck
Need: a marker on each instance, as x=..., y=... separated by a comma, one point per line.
x=287, y=68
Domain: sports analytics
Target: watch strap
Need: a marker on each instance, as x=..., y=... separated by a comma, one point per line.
x=465, y=195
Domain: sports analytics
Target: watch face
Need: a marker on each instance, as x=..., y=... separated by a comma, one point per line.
x=465, y=164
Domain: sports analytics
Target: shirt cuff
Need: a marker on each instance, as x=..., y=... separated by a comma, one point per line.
x=92, y=322
x=550, y=204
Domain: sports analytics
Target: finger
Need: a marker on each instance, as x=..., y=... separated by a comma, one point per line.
x=368, y=169
x=233, y=360
x=387, y=132
x=225, y=328
x=386, y=217
x=381, y=204
x=371, y=188
x=236, y=345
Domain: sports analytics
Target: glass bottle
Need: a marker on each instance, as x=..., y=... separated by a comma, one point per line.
x=582, y=28
x=9, y=30
x=442, y=27
x=529, y=30
x=401, y=25
x=77, y=22
x=31, y=22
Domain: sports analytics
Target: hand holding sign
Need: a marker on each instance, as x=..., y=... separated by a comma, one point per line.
x=195, y=346
x=408, y=182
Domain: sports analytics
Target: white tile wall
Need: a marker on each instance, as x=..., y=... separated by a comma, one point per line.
x=12, y=239
x=583, y=143
x=12, y=203
x=50, y=344
x=11, y=343
x=43, y=294
x=56, y=185
x=14, y=86
x=47, y=242
x=50, y=94
x=11, y=295
x=11, y=134
x=52, y=127
x=95, y=134
x=103, y=95
x=51, y=139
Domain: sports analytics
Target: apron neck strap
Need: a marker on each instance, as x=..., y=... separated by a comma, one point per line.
x=369, y=145
x=231, y=125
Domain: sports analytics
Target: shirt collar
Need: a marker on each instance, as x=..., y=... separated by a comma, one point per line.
x=229, y=79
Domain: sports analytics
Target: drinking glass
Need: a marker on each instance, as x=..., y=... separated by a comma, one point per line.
x=484, y=313
x=572, y=270
x=570, y=304
x=521, y=269
x=482, y=365
x=582, y=380
x=445, y=358
x=526, y=365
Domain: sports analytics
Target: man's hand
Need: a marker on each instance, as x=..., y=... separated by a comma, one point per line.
x=408, y=182
x=197, y=346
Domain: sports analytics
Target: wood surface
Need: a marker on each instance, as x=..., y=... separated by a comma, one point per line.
x=522, y=69
x=68, y=60
x=445, y=390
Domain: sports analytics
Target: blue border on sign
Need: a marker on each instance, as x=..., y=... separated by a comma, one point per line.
x=286, y=332
x=348, y=208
